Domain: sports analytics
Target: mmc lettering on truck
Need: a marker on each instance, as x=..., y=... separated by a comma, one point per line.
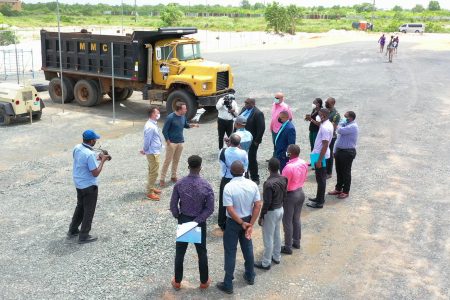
x=165, y=65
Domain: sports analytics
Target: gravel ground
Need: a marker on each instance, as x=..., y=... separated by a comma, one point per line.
x=389, y=240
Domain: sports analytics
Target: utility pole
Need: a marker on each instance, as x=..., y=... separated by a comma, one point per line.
x=373, y=10
x=135, y=12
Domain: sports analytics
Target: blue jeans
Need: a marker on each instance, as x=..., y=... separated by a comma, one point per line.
x=234, y=233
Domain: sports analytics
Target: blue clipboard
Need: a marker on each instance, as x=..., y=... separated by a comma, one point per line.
x=315, y=157
x=192, y=236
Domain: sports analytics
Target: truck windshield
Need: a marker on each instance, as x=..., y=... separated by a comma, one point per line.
x=188, y=51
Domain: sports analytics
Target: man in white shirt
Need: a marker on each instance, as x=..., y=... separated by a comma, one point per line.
x=321, y=147
x=226, y=107
x=243, y=203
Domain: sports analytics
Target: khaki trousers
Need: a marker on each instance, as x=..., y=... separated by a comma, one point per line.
x=173, y=154
x=153, y=168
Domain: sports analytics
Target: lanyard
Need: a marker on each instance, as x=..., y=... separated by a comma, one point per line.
x=281, y=129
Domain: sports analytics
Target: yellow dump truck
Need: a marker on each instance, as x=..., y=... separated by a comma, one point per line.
x=165, y=65
x=19, y=101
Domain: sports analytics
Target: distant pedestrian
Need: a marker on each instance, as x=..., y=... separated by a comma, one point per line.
x=256, y=125
x=345, y=153
x=226, y=158
x=382, y=41
x=227, y=110
x=173, y=134
x=285, y=137
x=322, y=147
x=274, y=195
x=246, y=136
x=152, y=149
x=192, y=200
x=296, y=172
x=314, y=120
x=86, y=169
x=277, y=107
x=334, y=118
x=395, y=43
x=243, y=203
x=390, y=49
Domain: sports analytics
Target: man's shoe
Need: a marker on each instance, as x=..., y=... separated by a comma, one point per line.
x=205, y=285
x=176, y=285
x=329, y=176
x=277, y=262
x=153, y=197
x=162, y=183
x=314, y=205
x=312, y=199
x=259, y=265
x=71, y=235
x=221, y=286
x=249, y=281
x=286, y=250
x=296, y=246
x=334, y=192
x=88, y=239
x=342, y=195
x=156, y=191
x=174, y=179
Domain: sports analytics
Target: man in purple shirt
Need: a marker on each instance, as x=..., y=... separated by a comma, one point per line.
x=344, y=153
x=192, y=200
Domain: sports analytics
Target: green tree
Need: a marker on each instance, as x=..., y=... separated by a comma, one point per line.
x=171, y=15
x=434, y=5
x=418, y=8
x=275, y=15
x=363, y=7
x=293, y=13
x=259, y=5
x=397, y=8
x=246, y=4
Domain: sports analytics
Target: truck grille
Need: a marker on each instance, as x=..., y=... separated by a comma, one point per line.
x=222, y=81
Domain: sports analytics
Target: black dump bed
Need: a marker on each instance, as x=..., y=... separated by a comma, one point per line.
x=90, y=54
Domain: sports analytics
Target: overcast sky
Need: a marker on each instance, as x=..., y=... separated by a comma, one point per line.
x=385, y=4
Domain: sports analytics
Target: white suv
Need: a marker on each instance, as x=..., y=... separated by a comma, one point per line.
x=412, y=27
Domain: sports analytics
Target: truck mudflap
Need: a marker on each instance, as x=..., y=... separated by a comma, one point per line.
x=7, y=107
x=212, y=100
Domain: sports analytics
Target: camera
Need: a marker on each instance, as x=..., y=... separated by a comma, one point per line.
x=228, y=100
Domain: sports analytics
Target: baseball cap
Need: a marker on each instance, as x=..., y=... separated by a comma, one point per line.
x=241, y=120
x=90, y=135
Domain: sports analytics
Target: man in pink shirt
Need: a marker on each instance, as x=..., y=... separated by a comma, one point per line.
x=278, y=106
x=296, y=172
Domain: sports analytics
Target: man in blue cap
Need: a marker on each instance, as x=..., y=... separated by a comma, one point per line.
x=87, y=166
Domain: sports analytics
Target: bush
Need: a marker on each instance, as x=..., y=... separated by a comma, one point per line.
x=8, y=38
x=433, y=27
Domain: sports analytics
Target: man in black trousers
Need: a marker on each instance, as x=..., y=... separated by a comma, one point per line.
x=256, y=125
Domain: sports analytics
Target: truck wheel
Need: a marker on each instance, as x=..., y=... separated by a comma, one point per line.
x=55, y=90
x=87, y=93
x=119, y=93
x=37, y=116
x=185, y=97
x=5, y=119
x=130, y=92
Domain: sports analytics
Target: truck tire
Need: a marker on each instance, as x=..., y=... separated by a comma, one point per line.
x=5, y=119
x=130, y=92
x=87, y=93
x=54, y=89
x=185, y=97
x=119, y=93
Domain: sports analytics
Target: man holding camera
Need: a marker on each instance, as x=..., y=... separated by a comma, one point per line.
x=226, y=107
x=86, y=169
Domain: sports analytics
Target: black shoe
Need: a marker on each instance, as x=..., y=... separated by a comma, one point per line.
x=277, y=262
x=286, y=250
x=314, y=205
x=88, y=239
x=259, y=265
x=71, y=235
x=221, y=286
x=296, y=246
x=249, y=281
x=312, y=199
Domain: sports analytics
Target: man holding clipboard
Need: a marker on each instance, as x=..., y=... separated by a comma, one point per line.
x=320, y=153
x=192, y=203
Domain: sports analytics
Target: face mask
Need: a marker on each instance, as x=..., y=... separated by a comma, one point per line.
x=280, y=121
x=344, y=120
x=327, y=105
x=158, y=116
x=288, y=154
x=276, y=100
x=313, y=106
x=318, y=119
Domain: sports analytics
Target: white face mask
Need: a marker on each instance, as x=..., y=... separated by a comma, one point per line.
x=318, y=119
x=158, y=116
x=313, y=106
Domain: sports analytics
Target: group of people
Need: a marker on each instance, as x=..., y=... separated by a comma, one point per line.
x=391, y=47
x=240, y=202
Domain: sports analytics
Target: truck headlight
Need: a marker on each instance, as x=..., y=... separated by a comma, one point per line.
x=205, y=86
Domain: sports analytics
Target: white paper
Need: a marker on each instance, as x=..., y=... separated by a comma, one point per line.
x=185, y=227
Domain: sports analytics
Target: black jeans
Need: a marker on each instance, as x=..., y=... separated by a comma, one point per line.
x=181, y=248
x=84, y=212
x=222, y=217
x=253, y=162
x=330, y=160
x=344, y=159
x=224, y=126
x=321, y=179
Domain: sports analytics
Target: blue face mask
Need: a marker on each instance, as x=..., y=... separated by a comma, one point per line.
x=344, y=120
x=276, y=100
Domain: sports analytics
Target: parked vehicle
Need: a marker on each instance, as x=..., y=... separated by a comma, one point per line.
x=164, y=65
x=19, y=101
x=412, y=27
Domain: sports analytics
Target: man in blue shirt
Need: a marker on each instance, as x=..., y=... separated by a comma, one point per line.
x=246, y=136
x=285, y=137
x=226, y=157
x=86, y=169
x=173, y=128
